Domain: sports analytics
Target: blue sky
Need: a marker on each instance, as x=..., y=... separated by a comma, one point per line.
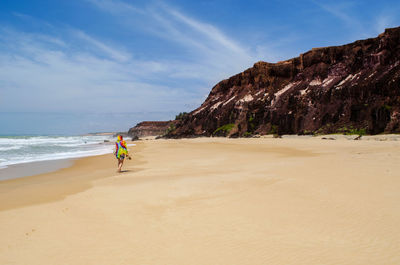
x=77, y=66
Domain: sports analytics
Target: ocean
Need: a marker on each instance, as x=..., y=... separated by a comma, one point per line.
x=25, y=149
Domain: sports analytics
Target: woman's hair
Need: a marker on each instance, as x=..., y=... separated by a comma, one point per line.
x=119, y=137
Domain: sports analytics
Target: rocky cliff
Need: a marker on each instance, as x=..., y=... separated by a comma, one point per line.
x=354, y=87
x=150, y=128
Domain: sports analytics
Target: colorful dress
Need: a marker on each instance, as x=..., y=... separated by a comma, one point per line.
x=120, y=149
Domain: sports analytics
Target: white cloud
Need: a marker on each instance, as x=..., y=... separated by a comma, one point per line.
x=113, y=53
x=75, y=71
x=342, y=11
x=116, y=7
x=209, y=31
x=38, y=76
x=207, y=46
x=339, y=11
x=386, y=19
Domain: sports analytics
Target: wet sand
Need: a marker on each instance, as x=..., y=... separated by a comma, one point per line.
x=211, y=201
x=33, y=168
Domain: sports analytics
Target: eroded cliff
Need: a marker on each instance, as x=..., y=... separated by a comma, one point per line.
x=354, y=87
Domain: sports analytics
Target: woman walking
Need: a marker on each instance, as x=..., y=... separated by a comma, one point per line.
x=120, y=152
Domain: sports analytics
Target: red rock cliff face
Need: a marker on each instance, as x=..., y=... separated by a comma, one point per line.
x=333, y=89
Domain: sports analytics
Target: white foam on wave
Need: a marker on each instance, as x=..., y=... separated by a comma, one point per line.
x=9, y=148
x=18, y=150
x=36, y=140
x=57, y=156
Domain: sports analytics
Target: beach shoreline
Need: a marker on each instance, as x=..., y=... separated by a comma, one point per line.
x=26, y=155
x=34, y=168
x=28, y=169
x=294, y=200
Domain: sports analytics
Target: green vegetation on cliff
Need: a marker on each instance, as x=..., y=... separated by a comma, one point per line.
x=225, y=129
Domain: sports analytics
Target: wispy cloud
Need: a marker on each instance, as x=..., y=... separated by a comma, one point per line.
x=74, y=70
x=116, y=7
x=347, y=13
x=205, y=42
x=340, y=10
x=386, y=18
x=208, y=30
x=53, y=76
x=116, y=54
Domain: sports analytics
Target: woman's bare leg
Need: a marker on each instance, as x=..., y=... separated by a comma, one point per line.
x=120, y=162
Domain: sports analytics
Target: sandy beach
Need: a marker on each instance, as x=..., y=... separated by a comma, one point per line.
x=299, y=200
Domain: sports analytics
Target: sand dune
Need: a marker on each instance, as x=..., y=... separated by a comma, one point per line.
x=212, y=201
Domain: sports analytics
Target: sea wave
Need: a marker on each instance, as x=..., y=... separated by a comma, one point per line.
x=25, y=149
x=39, y=140
x=55, y=156
x=9, y=148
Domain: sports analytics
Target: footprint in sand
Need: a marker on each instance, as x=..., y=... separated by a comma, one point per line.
x=29, y=233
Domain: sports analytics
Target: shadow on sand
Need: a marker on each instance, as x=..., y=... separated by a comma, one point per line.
x=125, y=171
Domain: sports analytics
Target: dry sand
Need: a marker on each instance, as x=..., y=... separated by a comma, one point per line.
x=211, y=201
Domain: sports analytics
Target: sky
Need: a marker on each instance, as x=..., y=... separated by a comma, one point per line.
x=79, y=66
